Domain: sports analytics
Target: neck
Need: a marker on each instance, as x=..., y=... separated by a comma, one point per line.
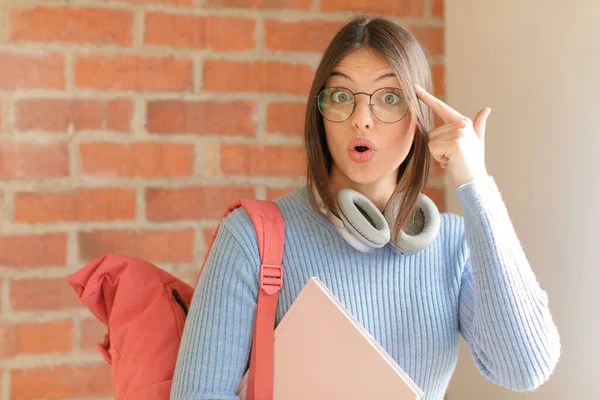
x=378, y=192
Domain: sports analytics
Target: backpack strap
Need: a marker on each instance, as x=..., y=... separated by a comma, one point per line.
x=270, y=231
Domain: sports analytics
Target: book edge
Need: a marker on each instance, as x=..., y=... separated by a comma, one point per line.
x=370, y=338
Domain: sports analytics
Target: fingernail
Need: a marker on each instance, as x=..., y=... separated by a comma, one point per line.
x=418, y=88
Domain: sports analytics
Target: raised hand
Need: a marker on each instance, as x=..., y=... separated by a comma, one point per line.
x=459, y=143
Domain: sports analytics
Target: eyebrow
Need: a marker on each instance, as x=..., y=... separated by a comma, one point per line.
x=342, y=75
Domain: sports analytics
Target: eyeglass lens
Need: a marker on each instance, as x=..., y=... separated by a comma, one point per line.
x=387, y=104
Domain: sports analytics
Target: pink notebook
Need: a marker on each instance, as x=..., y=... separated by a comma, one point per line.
x=322, y=352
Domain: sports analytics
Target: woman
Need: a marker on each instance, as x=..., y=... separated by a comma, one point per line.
x=368, y=129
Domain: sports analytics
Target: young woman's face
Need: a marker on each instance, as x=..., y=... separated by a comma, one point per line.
x=363, y=71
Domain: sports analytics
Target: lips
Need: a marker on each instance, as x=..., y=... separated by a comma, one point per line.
x=361, y=142
x=361, y=150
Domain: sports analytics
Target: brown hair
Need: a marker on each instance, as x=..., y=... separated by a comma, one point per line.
x=407, y=59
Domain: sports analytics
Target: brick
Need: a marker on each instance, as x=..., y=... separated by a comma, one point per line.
x=274, y=193
x=57, y=115
x=131, y=72
x=286, y=118
x=437, y=8
x=61, y=382
x=43, y=294
x=33, y=250
x=430, y=38
x=300, y=36
x=75, y=25
x=83, y=204
x=437, y=195
x=407, y=8
x=213, y=117
x=29, y=71
x=202, y=32
x=1, y=206
x=260, y=4
x=37, y=338
x=193, y=202
x=25, y=160
x=92, y=332
x=437, y=75
x=118, y=115
x=153, y=246
x=260, y=76
x=267, y=160
x=142, y=159
x=174, y=2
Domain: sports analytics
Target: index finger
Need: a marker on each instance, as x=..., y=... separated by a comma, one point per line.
x=443, y=110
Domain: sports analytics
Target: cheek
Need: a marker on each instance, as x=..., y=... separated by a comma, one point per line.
x=333, y=136
x=400, y=138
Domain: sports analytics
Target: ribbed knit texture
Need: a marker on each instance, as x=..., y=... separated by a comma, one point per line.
x=474, y=280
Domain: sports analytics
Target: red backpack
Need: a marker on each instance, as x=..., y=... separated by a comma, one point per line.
x=145, y=309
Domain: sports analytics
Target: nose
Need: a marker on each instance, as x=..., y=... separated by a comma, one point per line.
x=362, y=117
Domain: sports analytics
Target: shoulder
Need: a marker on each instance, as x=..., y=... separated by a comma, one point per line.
x=290, y=205
x=293, y=207
x=452, y=237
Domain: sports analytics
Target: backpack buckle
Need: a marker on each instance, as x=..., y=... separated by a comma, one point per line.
x=271, y=278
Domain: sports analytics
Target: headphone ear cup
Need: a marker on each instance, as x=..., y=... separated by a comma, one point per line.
x=422, y=229
x=362, y=218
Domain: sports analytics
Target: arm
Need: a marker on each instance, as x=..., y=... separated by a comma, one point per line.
x=503, y=312
x=217, y=337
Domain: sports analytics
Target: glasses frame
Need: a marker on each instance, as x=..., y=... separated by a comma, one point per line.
x=371, y=105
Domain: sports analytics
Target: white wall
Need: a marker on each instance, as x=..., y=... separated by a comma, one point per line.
x=537, y=65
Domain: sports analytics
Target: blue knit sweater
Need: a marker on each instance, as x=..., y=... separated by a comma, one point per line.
x=474, y=280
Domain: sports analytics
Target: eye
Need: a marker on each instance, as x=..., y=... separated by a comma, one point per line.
x=340, y=96
x=391, y=98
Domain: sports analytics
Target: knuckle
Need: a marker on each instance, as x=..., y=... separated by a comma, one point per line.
x=462, y=124
x=456, y=142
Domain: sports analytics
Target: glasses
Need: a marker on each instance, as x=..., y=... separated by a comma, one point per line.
x=387, y=104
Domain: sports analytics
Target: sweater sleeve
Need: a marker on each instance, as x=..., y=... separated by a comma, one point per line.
x=217, y=337
x=503, y=313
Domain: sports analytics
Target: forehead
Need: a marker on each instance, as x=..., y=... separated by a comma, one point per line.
x=363, y=66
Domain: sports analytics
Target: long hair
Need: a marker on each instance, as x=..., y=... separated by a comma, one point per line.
x=408, y=61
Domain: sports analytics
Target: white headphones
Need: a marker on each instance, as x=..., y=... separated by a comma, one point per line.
x=363, y=226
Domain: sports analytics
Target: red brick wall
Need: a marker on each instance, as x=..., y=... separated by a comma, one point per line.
x=128, y=126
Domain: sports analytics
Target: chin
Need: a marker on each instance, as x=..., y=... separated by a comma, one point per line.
x=364, y=177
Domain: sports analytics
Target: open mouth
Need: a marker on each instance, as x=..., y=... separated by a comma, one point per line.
x=361, y=153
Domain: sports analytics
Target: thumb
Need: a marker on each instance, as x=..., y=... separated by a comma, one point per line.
x=480, y=120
